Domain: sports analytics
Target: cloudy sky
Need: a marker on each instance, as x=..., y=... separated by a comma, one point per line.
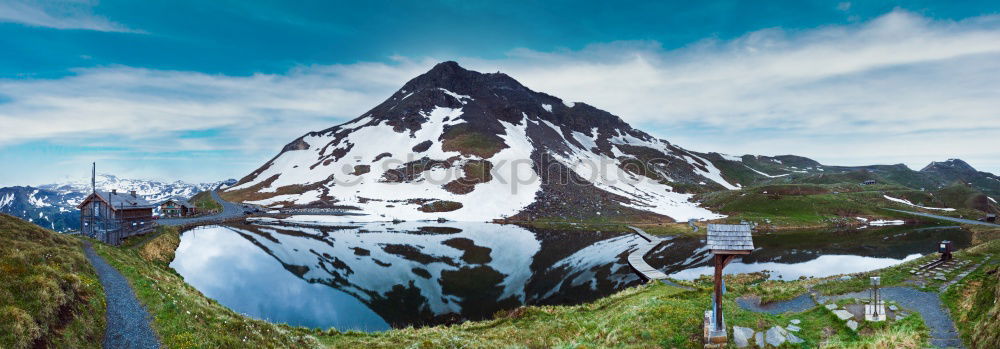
x=207, y=90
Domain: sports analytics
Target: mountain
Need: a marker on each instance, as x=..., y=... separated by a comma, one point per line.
x=53, y=206
x=463, y=145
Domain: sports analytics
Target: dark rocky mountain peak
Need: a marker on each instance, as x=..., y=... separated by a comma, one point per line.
x=954, y=165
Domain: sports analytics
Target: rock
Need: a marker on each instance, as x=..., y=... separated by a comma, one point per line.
x=758, y=338
x=742, y=336
x=893, y=307
x=794, y=340
x=796, y=321
x=853, y=325
x=776, y=336
x=842, y=314
x=793, y=328
x=831, y=306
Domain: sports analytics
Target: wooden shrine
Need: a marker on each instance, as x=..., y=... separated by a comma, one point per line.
x=725, y=241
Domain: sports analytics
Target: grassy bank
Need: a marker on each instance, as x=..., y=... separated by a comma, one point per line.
x=183, y=317
x=50, y=295
x=652, y=315
x=973, y=302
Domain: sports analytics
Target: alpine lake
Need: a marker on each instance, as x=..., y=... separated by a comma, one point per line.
x=377, y=276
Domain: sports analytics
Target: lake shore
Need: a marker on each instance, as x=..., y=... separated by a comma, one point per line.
x=636, y=317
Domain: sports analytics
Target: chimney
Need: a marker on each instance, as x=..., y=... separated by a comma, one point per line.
x=132, y=192
x=114, y=191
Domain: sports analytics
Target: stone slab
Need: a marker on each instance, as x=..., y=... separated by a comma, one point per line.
x=742, y=336
x=842, y=314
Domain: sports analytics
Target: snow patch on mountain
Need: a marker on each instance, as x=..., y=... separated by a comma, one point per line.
x=907, y=202
x=765, y=174
x=6, y=200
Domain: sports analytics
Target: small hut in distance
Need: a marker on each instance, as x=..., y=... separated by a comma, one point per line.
x=177, y=208
x=725, y=241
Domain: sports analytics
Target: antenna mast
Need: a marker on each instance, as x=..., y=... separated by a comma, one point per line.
x=93, y=176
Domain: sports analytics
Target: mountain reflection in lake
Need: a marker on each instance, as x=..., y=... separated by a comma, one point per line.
x=817, y=253
x=374, y=276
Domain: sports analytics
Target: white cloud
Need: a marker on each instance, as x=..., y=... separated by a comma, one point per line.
x=898, y=88
x=58, y=15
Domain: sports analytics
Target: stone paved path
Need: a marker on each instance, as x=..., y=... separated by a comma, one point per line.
x=128, y=323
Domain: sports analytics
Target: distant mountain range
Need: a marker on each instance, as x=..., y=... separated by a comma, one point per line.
x=463, y=145
x=53, y=206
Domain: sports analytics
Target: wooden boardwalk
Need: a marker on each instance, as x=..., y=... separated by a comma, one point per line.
x=637, y=259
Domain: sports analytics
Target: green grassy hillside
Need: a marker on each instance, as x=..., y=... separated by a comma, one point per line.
x=204, y=202
x=49, y=293
x=806, y=205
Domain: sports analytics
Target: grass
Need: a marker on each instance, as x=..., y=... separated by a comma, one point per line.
x=50, y=295
x=818, y=205
x=973, y=302
x=462, y=139
x=205, y=203
x=182, y=316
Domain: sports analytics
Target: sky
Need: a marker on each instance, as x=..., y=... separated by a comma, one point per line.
x=207, y=90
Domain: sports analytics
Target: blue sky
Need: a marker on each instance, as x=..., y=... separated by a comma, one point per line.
x=206, y=90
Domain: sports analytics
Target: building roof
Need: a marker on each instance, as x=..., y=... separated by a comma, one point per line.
x=121, y=200
x=732, y=237
x=181, y=202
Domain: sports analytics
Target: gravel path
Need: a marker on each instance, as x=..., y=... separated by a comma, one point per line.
x=128, y=322
x=229, y=210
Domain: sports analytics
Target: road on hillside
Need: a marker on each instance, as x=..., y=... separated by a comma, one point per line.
x=950, y=219
x=229, y=210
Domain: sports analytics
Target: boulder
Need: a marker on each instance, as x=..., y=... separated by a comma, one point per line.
x=758, y=338
x=776, y=336
x=842, y=314
x=742, y=336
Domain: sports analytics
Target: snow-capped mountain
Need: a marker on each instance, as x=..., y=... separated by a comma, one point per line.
x=468, y=146
x=45, y=208
x=463, y=145
x=53, y=206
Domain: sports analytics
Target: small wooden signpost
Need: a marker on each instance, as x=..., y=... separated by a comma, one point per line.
x=725, y=241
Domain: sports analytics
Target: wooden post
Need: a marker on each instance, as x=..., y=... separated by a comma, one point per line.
x=718, y=292
x=721, y=261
